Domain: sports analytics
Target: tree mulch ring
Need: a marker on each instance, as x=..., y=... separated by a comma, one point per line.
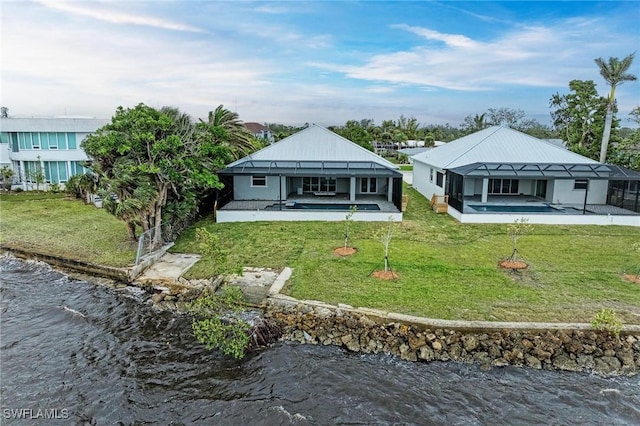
x=634, y=278
x=513, y=264
x=385, y=275
x=345, y=251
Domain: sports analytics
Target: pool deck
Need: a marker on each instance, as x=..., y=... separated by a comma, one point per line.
x=253, y=205
x=591, y=209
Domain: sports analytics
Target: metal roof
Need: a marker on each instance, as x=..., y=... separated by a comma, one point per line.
x=310, y=168
x=57, y=124
x=316, y=143
x=620, y=173
x=498, y=144
x=528, y=170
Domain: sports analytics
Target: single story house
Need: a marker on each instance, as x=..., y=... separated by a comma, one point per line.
x=314, y=174
x=499, y=174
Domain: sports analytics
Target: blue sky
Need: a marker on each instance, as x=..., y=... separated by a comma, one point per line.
x=323, y=62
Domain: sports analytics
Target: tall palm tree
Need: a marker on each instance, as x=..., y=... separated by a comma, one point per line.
x=615, y=73
x=238, y=138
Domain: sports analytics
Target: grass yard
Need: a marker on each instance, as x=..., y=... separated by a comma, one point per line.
x=446, y=269
x=50, y=224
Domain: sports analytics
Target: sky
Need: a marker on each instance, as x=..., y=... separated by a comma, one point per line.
x=323, y=62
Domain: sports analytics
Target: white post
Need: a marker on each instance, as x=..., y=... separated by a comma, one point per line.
x=352, y=188
x=390, y=189
x=485, y=189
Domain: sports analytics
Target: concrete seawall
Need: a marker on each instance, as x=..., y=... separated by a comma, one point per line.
x=117, y=274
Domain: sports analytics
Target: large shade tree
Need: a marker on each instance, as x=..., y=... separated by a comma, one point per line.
x=149, y=157
x=615, y=72
x=579, y=116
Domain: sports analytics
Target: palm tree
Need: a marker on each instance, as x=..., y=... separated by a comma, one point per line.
x=478, y=121
x=615, y=73
x=237, y=137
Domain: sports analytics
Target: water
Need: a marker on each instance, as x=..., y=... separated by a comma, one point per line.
x=534, y=208
x=118, y=360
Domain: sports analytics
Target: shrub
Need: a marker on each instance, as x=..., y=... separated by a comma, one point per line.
x=214, y=324
x=607, y=320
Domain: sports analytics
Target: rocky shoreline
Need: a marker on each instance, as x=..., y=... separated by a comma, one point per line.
x=567, y=350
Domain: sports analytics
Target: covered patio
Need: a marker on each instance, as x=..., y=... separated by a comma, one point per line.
x=310, y=190
x=545, y=193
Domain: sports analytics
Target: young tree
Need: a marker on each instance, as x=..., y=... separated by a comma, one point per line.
x=615, y=73
x=385, y=235
x=517, y=229
x=347, y=224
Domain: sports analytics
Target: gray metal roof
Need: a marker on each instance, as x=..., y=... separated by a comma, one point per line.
x=528, y=170
x=498, y=144
x=620, y=173
x=316, y=143
x=61, y=124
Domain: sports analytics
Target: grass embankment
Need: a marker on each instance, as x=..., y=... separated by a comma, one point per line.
x=50, y=224
x=447, y=270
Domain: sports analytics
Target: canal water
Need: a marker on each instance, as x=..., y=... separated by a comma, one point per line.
x=73, y=352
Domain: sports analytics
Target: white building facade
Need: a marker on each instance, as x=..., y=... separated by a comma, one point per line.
x=46, y=146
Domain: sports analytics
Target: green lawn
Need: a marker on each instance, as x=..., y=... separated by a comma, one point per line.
x=50, y=224
x=447, y=269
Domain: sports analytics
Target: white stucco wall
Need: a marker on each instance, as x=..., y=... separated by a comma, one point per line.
x=564, y=193
x=421, y=176
x=242, y=189
x=223, y=216
x=549, y=219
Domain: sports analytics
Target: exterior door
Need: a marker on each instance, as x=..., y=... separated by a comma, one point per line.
x=541, y=188
x=369, y=185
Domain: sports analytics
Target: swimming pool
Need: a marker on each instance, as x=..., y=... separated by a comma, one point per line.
x=332, y=206
x=534, y=208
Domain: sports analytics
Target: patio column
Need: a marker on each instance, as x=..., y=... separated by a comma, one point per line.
x=485, y=189
x=390, y=189
x=23, y=177
x=352, y=188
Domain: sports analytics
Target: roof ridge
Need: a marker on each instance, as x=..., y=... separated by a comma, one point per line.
x=474, y=145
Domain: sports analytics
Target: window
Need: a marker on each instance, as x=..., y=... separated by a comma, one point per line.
x=71, y=138
x=44, y=140
x=369, y=185
x=318, y=184
x=503, y=186
x=55, y=171
x=15, y=147
x=62, y=141
x=4, y=137
x=258, y=181
x=430, y=175
x=580, y=184
x=439, y=179
x=77, y=169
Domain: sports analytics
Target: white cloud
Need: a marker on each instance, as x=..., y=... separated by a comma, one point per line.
x=534, y=56
x=100, y=12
